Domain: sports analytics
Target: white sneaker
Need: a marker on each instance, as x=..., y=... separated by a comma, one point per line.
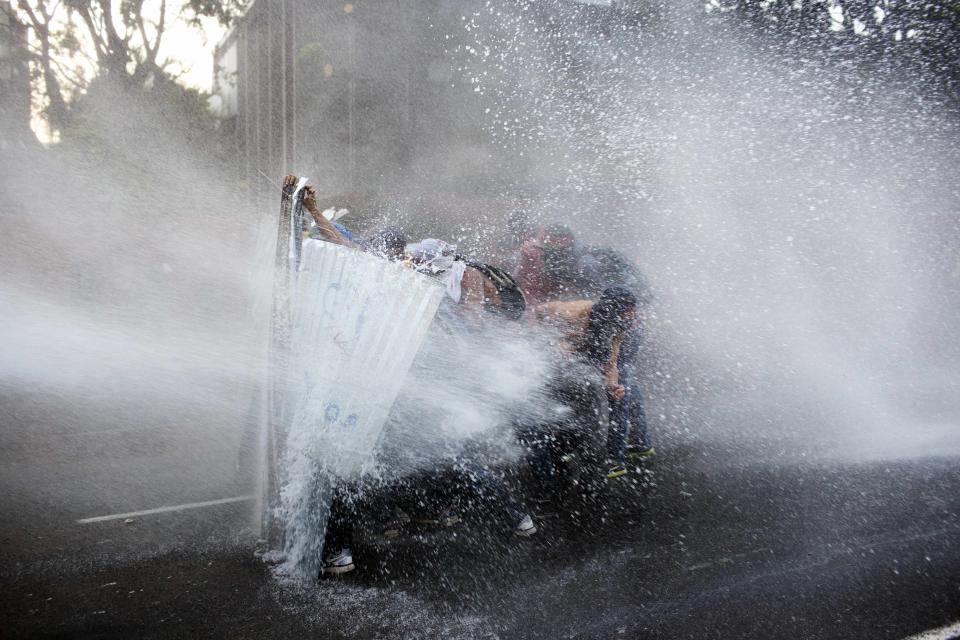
x=338, y=563
x=525, y=527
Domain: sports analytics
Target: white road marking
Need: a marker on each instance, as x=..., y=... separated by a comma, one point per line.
x=943, y=633
x=176, y=507
x=101, y=432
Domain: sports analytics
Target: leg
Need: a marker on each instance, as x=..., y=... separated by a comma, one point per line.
x=338, y=542
x=636, y=417
x=539, y=445
x=617, y=434
x=631, y=415
x=495, y=495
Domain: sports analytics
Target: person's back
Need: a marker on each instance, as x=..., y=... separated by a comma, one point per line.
x=475, y=285
x=569, y=317
x=548, y=266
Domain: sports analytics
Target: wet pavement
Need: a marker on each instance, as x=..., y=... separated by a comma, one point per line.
x=718, y=548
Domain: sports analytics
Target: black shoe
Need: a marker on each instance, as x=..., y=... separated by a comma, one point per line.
x=446, y=518
x=449, y=516
x=396, y=525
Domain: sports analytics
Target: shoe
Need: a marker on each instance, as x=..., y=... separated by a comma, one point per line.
x=446, y=518
x=395, y=527
x=449, y=516
x=616, y=472
x=339, y=563
x=525, y=527
x=639, y=452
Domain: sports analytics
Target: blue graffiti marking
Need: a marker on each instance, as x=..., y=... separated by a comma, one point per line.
x=329, y=299
x=331, y=412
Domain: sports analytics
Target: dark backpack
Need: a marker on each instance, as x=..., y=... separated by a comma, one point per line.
x=513, y=304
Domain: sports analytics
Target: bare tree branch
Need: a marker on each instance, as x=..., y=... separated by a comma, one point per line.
x=85, y=12
x=106, y=10
x=65, y=72
x=57, y=109
x=160, y=29
x=143, y=34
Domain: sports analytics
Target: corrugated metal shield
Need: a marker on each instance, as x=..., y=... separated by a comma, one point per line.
x=357, y=324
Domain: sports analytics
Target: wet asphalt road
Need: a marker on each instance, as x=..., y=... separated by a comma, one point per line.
x=716, y=549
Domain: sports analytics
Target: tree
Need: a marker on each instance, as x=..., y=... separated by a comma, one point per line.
x=40, y=18
x=119, y=40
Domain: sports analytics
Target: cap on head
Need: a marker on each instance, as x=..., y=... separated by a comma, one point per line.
x=619, y=299
x=518, y=223
x=390, y=241
x=557, y=235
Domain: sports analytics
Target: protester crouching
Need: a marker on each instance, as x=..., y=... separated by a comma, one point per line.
x=601, y=267
x=561, y=284
x=473, y=284
x=594, y=331
x=476, y=291
x=548, y=265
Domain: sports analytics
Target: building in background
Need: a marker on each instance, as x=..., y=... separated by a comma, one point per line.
x=357, y=95
x=14, y=80
x=225, y=78
x=365, y=98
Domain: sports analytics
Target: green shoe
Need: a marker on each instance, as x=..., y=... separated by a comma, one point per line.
x=616, y=472
x=639, y=453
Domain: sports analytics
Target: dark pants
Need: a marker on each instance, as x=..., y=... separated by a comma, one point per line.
x=343, y=509
x=472, y=480
x=628, y=417
x=467, y=479
x=577, y=426
x=490, y=488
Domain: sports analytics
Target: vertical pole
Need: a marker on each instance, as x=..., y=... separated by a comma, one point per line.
x=351, y=102
x=286, y=260
x=289, y=107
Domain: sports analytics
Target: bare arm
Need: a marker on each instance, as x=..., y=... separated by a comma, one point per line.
x=547, y=310
x=329, y=231
x=471, y=289
x=530, y=274
x=571, y=312
x=611, y=373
